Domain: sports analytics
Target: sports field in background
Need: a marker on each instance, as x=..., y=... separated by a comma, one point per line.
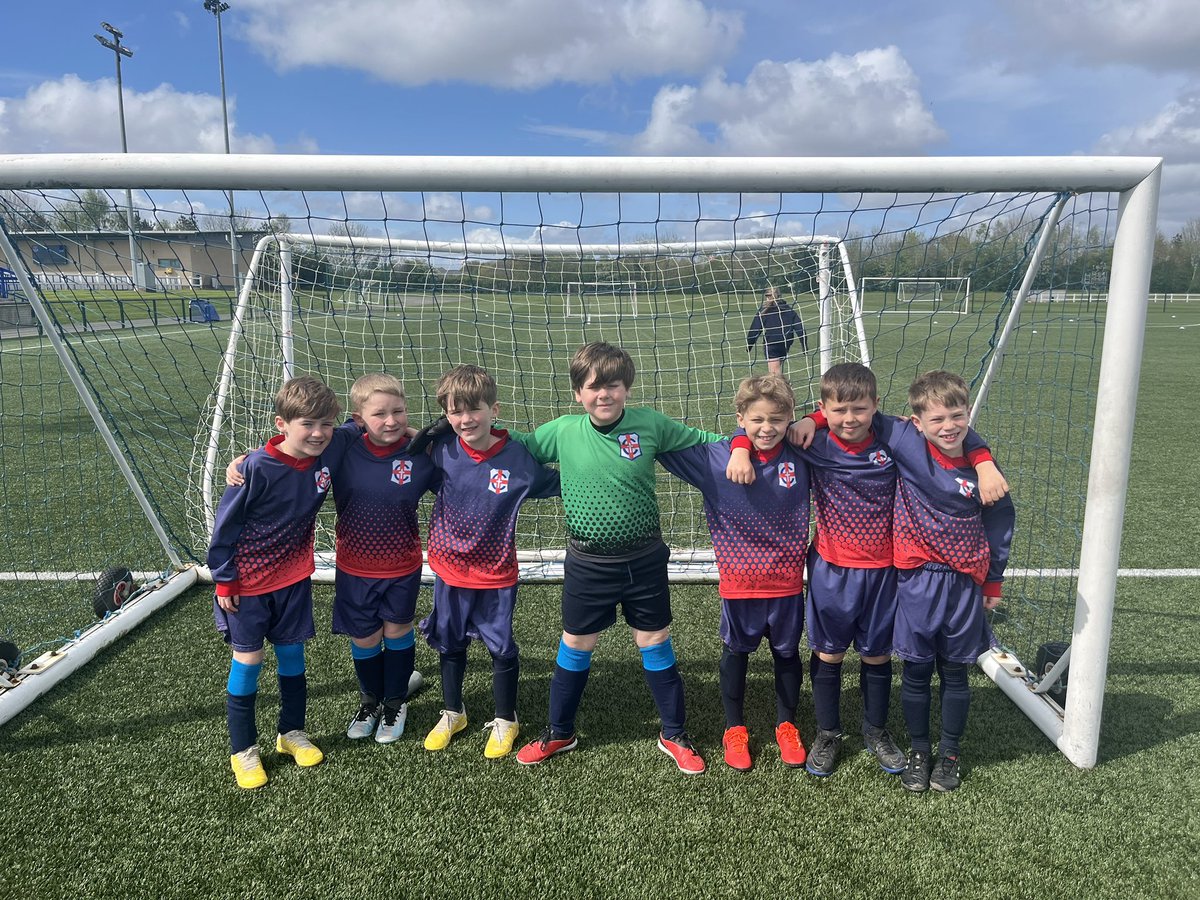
x=119, y=784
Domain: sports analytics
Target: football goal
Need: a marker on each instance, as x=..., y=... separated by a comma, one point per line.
x=512, y=263
x=904, y=295
x=585, y=299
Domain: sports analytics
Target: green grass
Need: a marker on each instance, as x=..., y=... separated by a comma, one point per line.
x=118, y=784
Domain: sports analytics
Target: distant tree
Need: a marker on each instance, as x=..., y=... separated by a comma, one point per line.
x=279, y=224
x=184, y=223
x=349, y=228
x=23, y=211
x=88, y=212
x=243, y=220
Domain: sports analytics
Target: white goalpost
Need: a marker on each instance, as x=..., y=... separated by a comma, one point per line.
x=467, y=259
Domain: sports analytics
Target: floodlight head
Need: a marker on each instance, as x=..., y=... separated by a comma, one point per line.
x=113, y=31
x=216, y=7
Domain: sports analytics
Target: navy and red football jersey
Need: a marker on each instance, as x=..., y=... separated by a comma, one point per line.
x=939, y=516
x=263, y=533
x=377, y=491
x=760, y=530
x=472, y=531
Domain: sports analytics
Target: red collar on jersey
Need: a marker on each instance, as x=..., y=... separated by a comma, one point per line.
x=947, y=462
x=857, y=446
x=299, y=465
x=480, y=456
x=388, y=450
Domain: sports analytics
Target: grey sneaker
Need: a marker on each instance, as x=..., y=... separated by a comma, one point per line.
x=879, y=744
x=391, y=723
x=945, y=776
x=362, y=725
x=915, y=776
x=823, y=753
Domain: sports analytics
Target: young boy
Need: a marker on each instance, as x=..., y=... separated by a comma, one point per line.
x=950, y=553
x=760, y=536
x=377, y=485
x=261, y=557
x=615, y=551
x=472, y=550
x=376, y=489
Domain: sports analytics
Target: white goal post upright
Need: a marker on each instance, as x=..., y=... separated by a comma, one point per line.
x=474, y=307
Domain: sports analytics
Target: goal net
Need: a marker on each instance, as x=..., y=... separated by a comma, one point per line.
x=125, y=390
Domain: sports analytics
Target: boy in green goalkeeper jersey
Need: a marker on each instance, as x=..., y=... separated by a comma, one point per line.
x=615, y=551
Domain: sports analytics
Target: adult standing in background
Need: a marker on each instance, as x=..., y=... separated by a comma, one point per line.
x=779, y=325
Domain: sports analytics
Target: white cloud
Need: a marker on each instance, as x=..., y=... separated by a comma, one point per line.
x=1174, y=134
x=866, y=104
x=504, y=43
x=1161, y=35
x=71, y=115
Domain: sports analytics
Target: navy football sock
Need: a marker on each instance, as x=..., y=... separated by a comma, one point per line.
x=398, y=655
x=667, y=687
x=916, y=700
x=826, y=678
x=239, y=713
x=505, y=672
x=368, y=667
x=566, y=691
x=733, y=686
x=293, y=697
x=454, y=670
x=875, y=682
x=789, y=674
x=956, y=703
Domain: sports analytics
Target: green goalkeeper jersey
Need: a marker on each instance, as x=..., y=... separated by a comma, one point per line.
x=608, y=478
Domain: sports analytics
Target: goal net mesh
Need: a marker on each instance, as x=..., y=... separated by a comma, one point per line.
x=413, y=283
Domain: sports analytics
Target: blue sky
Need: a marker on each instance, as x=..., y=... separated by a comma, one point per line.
x=585, y=77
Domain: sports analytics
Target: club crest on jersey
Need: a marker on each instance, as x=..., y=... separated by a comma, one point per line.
x=322, y=477
x=631, y=445
x=401, y=471
x=966, y=487
x=879, y=458
x=498, y=481
x=787, y=474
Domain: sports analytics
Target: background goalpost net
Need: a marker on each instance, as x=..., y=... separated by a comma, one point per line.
x=122, y=404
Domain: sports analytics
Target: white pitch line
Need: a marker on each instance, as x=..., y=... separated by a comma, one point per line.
x=1121, y=573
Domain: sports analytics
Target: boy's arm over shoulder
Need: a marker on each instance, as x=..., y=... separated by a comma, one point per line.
x=999, y=520
x=675, y=435
x=992, y=483
x=542, y=442
x=693, y=464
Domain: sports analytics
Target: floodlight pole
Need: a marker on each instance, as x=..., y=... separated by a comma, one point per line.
x=216, y=7
x=118, y=51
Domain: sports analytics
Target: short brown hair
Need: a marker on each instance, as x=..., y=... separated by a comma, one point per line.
x=772, y=388
x=375, y=383
x=939, y=386
x=306, y=397
x=466, y=387
x=848, y=381
x=604, y=363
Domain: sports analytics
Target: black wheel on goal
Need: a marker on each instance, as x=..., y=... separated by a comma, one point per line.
x=10, y=655
x=112, y=590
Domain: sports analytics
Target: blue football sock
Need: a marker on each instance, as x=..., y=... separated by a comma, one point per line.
x=241, y=690
x=566, y=688
x=662, y=675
